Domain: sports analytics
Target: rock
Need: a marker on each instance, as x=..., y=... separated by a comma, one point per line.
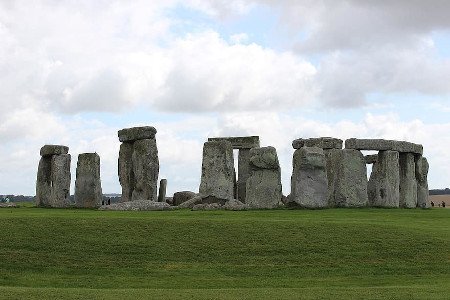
x=183, y=196
x=350, y=179
x=162, y=190
x=371, y=159
x=44, y=182
x=408, y=182
x=235, y=205
x=207, y=206
x=264, y=158
x=145, y=169
x=239, y=142
x=309, y=185
x=136, y=133
x=191, y=202
x=422, y=168
x=137, y=205
x=382, y=145
x=60, y=169
x=383, y=187
x=322, y=142
x=8, y=205
x=88, y=188
x=169, y=200
x=243, y=173
x=126, y=174
x=217, y=170
x=49, y=150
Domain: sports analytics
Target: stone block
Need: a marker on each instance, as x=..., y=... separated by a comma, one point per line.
x=136, y=133
x=162, y=190
x=422, y=168
x=49, y=150
x=88, y=188
x=183, y=196
x=126, y=173
x=322, y=142
x=384, y=182
x=408, y=182
x=145, y=170
x=239, y=142
x=382, y=145
x=243, y=173
x=44, y=182
x=60, y=174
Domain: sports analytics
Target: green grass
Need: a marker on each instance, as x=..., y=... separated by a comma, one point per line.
x=279, y=254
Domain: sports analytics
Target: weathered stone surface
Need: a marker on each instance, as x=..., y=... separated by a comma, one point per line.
x=422, y=168
x=183, y=196
x=126, y=174
x=88, y=188
x=382, y=145
x=60, y=169
x=162, y=190
x=239, y=142
x=44, y=182
x=350, y=186
x=322, y=142
x=331, y=168
x=49, y=150
x=145, y=169
x=384, y=182
x=207, y=206
x=8, y=205
x=136, y=133
x=217, y=177
x=309, y=185
x=235, y=205
x=408, y=182
x=243, y=173
x=371, y=159
x=191, y=202
x=137, y=205
x=264, y=184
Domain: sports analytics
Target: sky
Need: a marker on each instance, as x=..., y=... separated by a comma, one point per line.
x=75, y=72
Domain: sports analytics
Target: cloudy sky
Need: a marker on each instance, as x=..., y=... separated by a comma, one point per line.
x=75, y=72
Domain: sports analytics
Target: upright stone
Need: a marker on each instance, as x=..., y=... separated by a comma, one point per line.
x=408, y=182
x=244, y=171
x=422, y=168
x=264, y=184
x=309, y=185
x=126, y=174
x=44, y=182
x=217, y=170
x=384, y=182
x=88, y=188
x=145, y=169
x=162, y=190
x=60, y=166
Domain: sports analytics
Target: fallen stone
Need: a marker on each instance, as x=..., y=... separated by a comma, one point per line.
x=207, y=206
x=8, y=205
x=235, y=205
x=183, y=196
x=382, y=145
x=88, y=188
x=383, y=186
x=322, y=142
x=169, y=200
x=371, y=159
x=162, y=190
x=137, y=205
x=126, y=174
x=408, y=181
x=49, y=150
x=422, y=168
x=145, y=170
x=239, y=142
x=60, y=169
x=136, y=133
x=191, y=202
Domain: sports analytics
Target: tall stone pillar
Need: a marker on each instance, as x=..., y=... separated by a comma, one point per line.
x=88, y=188
x=408, y=182
x=384, y=182
x=244, y=171
x=162, y=190
x=422, y=168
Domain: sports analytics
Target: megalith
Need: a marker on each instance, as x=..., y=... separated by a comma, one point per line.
x=138, y=163
x=162, y=190
x=350, y=178
x=309, y=184
x=217, y=170
x=263, y=188
x=422, y=182
x=88, y=188
x=53, y=177
x=408, y=181
x=384, y=182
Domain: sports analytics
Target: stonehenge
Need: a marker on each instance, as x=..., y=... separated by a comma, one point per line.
x=88, y=188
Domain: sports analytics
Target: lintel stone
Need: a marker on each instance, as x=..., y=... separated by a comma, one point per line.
x=321, y=142
x=49, y=150
x=383, y=145
x=136, y=133
x=239, y=142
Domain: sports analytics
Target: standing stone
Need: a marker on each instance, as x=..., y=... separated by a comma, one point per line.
x=263, y=188
x=309, y=184
x=162, y=190
x=350, y=186
x=217, y=170
x=126, y=174
x=44, y=182
x=422, y=168
x=408, y=182
x=384, y=182
x=88, y=188
x=145, y=169
x=244, y=171
x=60, y=166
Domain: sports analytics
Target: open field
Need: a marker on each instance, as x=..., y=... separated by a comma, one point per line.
x=437, y=199
x=278, y=254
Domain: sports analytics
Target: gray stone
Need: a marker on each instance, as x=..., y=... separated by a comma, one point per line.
x=239, y=142
x=235, y=205
x=136, y=133
x=169, y=200
x=44, y=182
x=60, y=167
x=126, y=174
x=183, y=196
x=371, y=159
x=88, y=188
x=49, y=150
x=145, y=169
x=382, y=145
x=408, y=182
x=243, y=173
x=162, y=190
x=217, y=177
x=332, y=169
x=322, y=142
x=309, y=185
x=350, y=186
x=138, y=205
x=207, y=206
x=384, y=182
x=191, y=202
x=264, y=158
x=422, y=168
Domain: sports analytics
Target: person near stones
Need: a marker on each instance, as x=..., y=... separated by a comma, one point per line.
x=432, y=204
x=109, y=201
x=443, y=204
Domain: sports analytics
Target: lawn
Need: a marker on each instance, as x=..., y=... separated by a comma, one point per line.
x=278, y=254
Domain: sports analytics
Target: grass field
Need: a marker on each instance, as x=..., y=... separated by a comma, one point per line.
x=278, y=254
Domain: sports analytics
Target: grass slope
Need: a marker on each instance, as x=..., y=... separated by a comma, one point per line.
x=279, y=254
